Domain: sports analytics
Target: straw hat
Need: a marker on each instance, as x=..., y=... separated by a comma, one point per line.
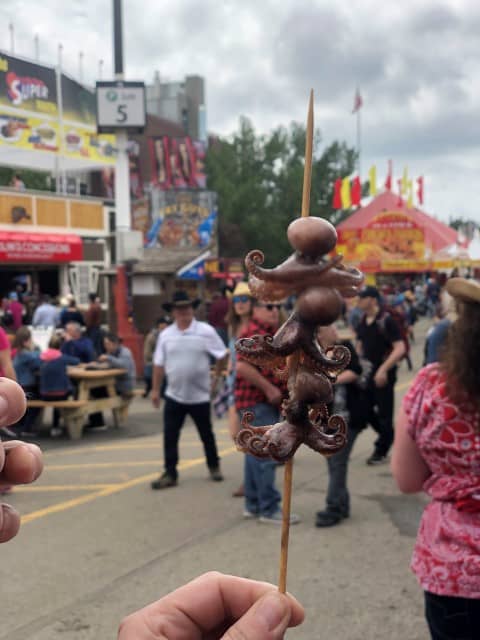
x=464, y=290
x=242, y=289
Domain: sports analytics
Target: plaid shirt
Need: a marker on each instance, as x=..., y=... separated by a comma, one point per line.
x=247, y=394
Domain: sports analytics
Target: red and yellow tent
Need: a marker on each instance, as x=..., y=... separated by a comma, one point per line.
x=386, y=236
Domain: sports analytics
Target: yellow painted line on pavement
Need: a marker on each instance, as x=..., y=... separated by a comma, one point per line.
x=108, y=491
x=102, y=465
x=112, y=447
x=61, y=487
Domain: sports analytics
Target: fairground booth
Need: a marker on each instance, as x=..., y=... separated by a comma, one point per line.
x=387, y=237
x=51, y=243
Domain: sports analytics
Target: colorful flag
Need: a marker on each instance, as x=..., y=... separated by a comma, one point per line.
x=337, y=198
x=356, y=191
x=345, y=194
x=388, y=180
x=400, y=201
x=420, y=190
x=357, y=102
x=405, y=181
x=410, y=194
x=372, y=178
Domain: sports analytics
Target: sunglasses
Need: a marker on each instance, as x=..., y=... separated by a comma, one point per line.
x=271, y=307
x=236, y=299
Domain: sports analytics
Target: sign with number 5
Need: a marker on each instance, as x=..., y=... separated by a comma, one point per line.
x=120, y=105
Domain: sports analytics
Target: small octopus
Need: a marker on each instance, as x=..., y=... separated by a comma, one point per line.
x=293, y=352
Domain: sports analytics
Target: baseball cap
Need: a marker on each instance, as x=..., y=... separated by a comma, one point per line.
x=369, y=292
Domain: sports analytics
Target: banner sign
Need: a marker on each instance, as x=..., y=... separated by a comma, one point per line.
x=391, y=242
x=39, y=247
x=178, y=163
x=29, y=116
x=181, y=219
x=31, y=133
x=26, y=85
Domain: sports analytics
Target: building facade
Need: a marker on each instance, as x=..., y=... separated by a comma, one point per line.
x=180, y=102
x=53, y=245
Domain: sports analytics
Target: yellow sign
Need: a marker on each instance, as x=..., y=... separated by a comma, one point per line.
x=42, y=134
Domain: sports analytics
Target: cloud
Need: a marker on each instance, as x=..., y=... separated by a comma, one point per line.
x=416, y=65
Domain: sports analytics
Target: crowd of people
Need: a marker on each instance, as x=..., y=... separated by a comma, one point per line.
x=76, y=339
x=437, y=433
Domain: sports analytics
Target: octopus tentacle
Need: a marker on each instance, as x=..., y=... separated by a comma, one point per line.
x=278, y=441
x=288, y=338
x=328, y=439
x=339, y=360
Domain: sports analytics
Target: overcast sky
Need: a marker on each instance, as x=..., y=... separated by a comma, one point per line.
x=417, y=64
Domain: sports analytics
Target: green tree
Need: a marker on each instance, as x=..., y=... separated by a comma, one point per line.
x=259, y=181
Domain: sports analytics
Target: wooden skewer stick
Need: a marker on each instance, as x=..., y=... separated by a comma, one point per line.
x=288, y=475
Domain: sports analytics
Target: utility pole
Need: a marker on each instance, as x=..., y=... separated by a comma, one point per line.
x=11, y=28
x=122, y=174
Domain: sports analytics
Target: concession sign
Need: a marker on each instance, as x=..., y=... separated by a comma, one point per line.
x=39, y=247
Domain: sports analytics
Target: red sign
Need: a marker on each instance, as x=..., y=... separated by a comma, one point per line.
x=39, y=247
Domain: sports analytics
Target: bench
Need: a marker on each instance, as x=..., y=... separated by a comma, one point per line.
x=76, y=412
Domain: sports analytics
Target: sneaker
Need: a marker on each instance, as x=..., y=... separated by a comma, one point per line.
x=249, y=515
x=164, y=482
x=216, y=474
x=276, y=518
x=56, y=432
x=377, y=458
x=328, y=518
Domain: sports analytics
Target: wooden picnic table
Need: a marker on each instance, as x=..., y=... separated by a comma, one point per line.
x=75, y=412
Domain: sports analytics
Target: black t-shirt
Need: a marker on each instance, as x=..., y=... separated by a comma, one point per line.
x=378, y=337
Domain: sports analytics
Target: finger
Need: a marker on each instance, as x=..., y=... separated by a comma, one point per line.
x=199, y=607
x=23, y=463
x=12, y=402
x=268, y=619
x=9, y=522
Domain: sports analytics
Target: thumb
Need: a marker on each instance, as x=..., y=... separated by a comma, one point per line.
x=267, y=620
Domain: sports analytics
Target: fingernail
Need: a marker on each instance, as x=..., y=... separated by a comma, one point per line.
x=271, y=609
x=34, y=466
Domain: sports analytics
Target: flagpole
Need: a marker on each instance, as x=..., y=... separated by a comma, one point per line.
x=359, y=142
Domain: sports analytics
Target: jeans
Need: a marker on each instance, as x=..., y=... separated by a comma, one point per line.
x=261, y=495
x=451, y=618
x=338, y=497
x=174, y=415
x=380, y=414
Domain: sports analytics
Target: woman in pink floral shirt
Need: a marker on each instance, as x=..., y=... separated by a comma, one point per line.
x=437, y=449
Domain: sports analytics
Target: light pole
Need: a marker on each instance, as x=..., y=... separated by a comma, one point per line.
x=122, y=174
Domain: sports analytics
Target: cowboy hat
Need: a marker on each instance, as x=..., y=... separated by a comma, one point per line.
x=180, y=299
x=464, y=290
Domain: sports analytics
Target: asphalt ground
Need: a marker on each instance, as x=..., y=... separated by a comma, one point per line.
x=97, y=543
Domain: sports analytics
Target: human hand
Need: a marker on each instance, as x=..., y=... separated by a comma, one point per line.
x=103, y=357
x=20, y=463
x=274, y=395
x=380, y=378
x=216, y=607
x=155, y=395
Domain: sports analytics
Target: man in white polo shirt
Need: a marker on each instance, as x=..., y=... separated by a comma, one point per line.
x=183, y=354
